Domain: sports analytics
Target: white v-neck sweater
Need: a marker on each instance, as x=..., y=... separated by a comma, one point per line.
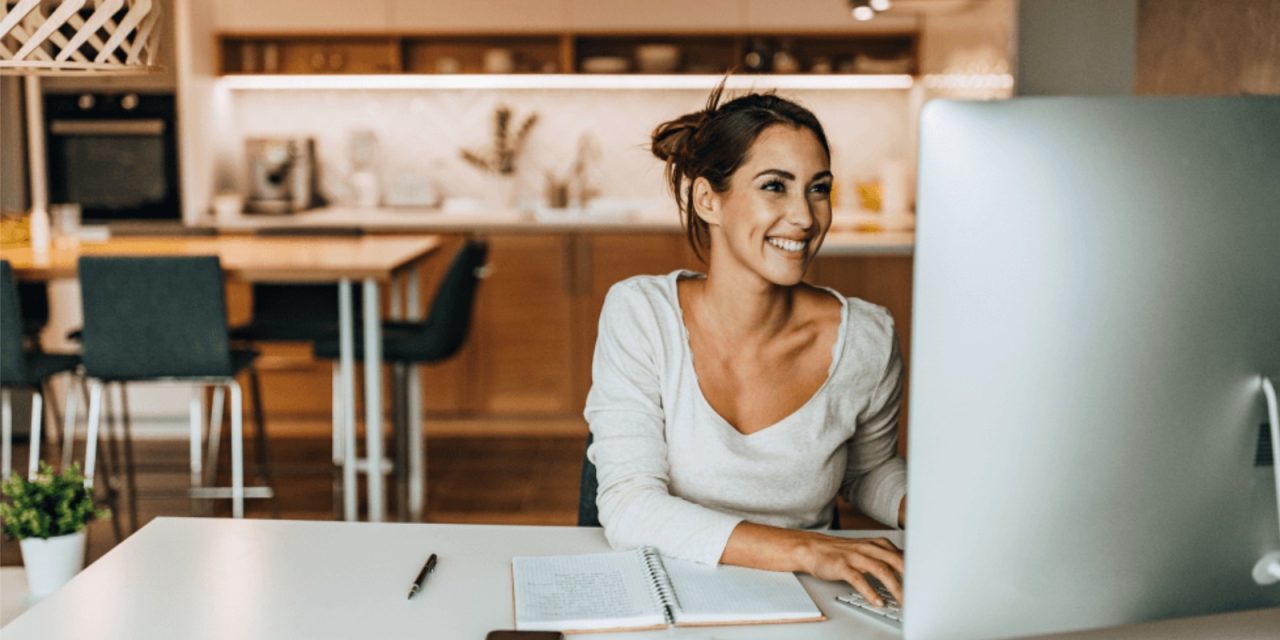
x=675, y=475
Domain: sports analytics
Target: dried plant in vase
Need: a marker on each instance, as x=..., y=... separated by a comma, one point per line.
x=500, y=157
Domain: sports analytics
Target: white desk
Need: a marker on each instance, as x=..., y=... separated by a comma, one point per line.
x=205, y=578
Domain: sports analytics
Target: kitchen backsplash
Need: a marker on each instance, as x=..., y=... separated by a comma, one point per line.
x=422, y=132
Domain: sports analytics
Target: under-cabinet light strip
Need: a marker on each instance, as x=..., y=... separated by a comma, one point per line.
x=249, y=82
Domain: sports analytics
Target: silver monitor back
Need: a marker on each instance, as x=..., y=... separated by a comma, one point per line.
x=1097, y=291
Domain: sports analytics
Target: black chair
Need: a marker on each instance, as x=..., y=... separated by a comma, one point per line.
x=23, y=367
x=34, y=299
x=408, y=344
x=589, y=485
x=150, y=319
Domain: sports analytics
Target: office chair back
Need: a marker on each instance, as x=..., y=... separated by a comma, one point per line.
x=154, y=317
x=13, y=362
x=34, y=298
x=450, y=316
x=588, y=485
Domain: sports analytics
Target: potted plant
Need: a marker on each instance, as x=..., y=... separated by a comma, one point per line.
x=499, y=159
x=48, y=516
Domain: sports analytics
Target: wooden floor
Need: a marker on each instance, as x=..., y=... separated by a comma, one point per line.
x=492, y=480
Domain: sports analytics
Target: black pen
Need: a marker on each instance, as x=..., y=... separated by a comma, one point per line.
x=422, y=575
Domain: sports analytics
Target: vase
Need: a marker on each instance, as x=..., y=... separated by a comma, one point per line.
x=51, y=563
x=503, y=192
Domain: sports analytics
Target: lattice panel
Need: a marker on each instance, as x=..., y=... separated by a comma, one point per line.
x=78, y=36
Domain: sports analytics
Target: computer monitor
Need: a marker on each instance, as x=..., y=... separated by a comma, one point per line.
x=1097, y=295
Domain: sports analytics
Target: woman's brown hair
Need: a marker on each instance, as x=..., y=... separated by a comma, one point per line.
x=713, y=142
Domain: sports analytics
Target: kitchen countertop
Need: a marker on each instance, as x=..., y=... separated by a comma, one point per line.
x=842, y=240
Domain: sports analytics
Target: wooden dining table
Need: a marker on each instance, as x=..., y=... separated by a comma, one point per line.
x=369, y=260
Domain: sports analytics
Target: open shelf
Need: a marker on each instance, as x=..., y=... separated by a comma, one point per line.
x=505, y=54
x=537, y=81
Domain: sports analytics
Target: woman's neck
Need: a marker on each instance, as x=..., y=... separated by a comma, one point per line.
x=742, y=305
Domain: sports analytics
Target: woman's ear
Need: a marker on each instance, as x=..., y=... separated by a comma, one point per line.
x=706, y=202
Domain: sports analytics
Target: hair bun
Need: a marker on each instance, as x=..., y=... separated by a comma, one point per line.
x=671, y=139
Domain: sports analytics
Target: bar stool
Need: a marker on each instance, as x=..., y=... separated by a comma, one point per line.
x=408, y=344
x=163, y=319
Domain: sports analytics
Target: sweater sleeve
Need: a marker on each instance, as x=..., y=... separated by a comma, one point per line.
x=624, y=411
x=876, y=478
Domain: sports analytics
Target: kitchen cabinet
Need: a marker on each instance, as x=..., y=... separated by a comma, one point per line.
x=524, y=328
x=450, y=16
x=302, y=16
x=622, y=16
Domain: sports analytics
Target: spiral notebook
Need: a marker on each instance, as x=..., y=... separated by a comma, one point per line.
x=640, y=589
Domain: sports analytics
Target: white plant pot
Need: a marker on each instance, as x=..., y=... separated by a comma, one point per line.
x=51, y=563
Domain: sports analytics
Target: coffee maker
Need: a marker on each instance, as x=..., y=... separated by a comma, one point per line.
x=282, y=174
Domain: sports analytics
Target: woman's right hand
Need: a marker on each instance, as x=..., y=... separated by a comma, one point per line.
x=848, y=559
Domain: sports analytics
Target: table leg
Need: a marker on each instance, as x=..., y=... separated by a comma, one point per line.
x=196, y=411
x=373, y=398
x=417, y=450
x=347, y=422
x=399, y=421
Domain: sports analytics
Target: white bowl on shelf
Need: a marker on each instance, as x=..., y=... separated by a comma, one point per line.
x=657, y=58
x=606, y=64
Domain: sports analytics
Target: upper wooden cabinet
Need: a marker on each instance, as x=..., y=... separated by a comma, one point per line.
x=767, y=16
x=471, y=16
x=621, y=16
x=302, y=16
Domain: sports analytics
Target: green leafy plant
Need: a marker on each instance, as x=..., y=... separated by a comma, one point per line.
x=54, y=504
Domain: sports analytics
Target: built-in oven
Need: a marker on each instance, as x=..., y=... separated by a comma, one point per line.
x=115, y=154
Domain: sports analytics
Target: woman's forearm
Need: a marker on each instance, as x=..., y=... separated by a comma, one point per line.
x=763, y=547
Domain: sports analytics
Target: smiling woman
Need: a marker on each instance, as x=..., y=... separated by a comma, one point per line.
x=730, y=409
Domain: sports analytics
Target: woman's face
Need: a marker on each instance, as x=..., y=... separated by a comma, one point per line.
x=777, y=210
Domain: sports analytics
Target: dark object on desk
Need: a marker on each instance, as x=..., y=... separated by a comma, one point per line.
x=427, y=569
x=22, y=367
x=524, y=635
x=161, y=319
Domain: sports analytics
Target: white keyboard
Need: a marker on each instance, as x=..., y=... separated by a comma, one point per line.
x=890, y=613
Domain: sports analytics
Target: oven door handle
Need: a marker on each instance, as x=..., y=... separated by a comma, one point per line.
x=147, y=127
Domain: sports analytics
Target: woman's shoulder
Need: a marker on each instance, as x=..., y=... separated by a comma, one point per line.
x=871, y=316
x=642, y=298
x=868, y=327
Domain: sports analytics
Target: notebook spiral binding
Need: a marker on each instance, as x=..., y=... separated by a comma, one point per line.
x=662, y=588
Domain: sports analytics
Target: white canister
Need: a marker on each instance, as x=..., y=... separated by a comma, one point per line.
x=364, y=189
x=40, y=232
x=51, y=563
